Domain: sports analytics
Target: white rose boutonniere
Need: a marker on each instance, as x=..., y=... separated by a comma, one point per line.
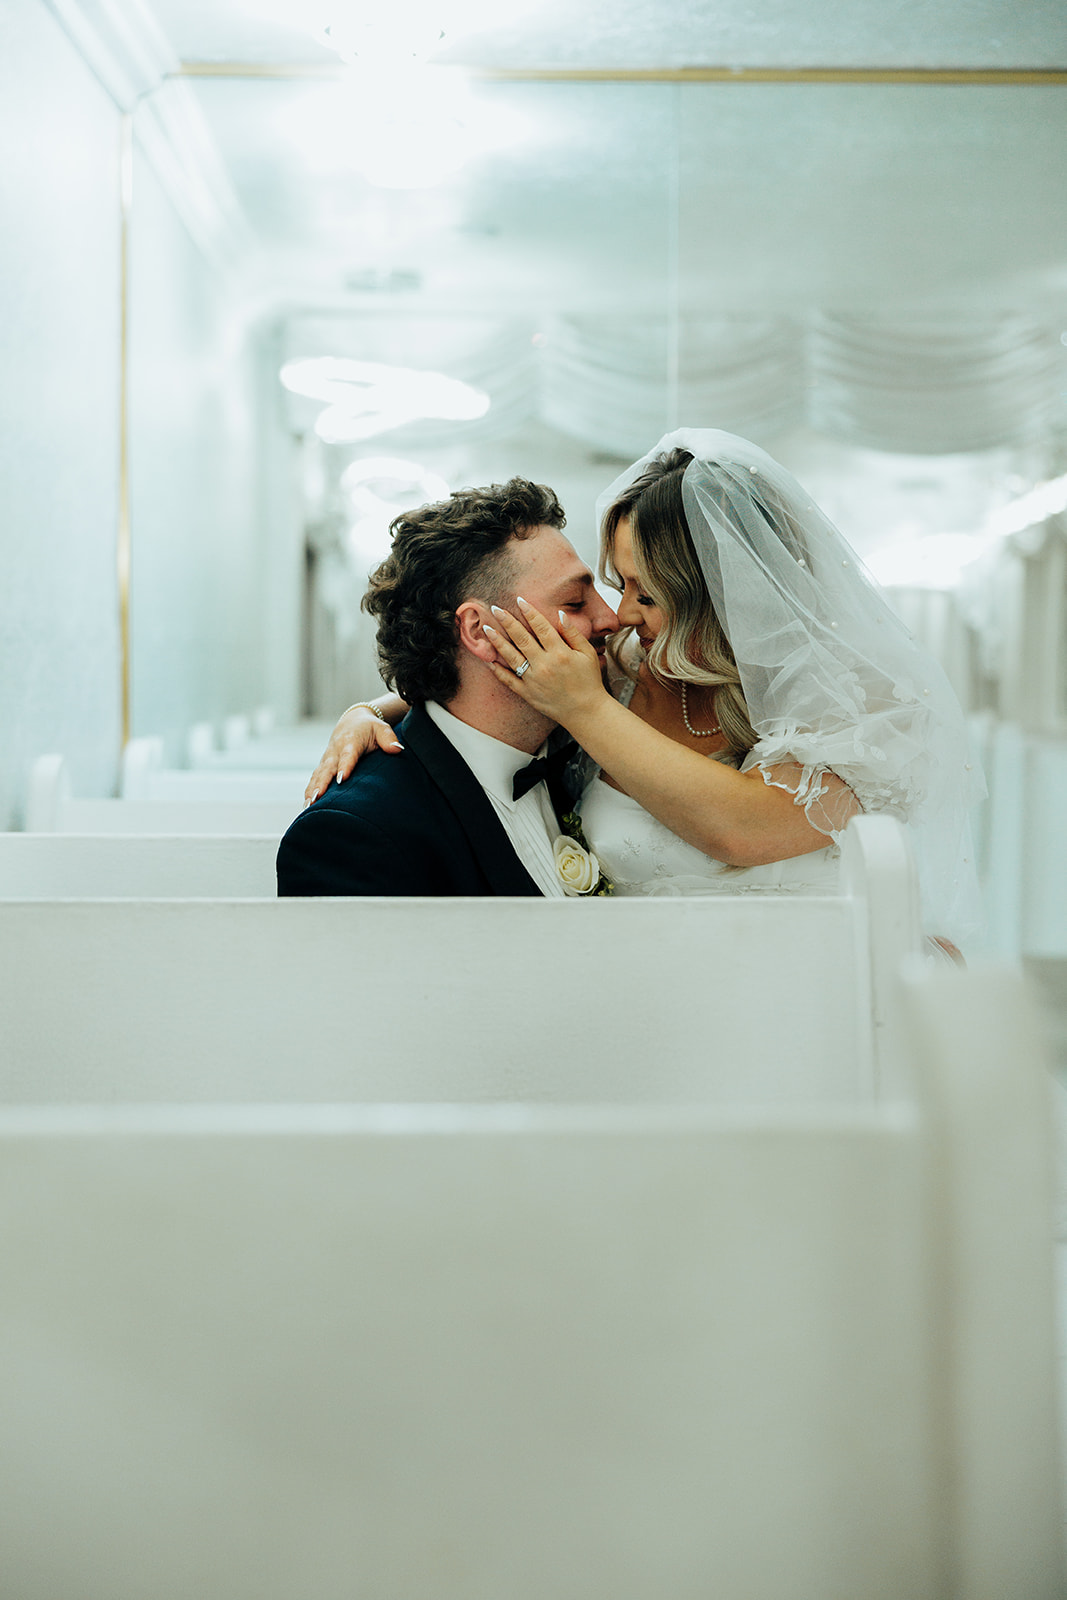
x=578, y=868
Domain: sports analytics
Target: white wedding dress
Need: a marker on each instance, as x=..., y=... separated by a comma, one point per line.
x=643, y=857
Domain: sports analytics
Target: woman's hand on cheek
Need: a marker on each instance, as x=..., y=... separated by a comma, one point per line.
x=563, y=679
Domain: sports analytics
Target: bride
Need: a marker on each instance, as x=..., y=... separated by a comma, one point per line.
x=760, y=694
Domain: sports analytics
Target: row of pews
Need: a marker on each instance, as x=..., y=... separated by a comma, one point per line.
x=492, y=1250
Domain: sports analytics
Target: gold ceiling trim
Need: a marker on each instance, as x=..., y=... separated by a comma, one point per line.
x=981, y=76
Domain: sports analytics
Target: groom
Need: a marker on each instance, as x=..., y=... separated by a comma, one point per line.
x=447, y=817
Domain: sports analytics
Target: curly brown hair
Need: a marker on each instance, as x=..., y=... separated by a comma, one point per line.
x=442, y=555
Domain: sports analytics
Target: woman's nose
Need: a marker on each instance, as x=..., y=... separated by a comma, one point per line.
x=629, y=612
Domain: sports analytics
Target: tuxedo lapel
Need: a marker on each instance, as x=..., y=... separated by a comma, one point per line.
x=468, y=800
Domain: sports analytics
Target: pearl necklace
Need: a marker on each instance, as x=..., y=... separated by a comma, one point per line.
x=698, y=733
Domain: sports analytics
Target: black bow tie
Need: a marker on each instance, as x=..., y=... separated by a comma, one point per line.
x=547, y=767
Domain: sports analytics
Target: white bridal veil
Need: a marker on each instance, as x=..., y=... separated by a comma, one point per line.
x=831, y=676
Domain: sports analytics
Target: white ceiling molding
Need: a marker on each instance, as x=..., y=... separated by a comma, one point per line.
x=125, y=49
x=122, y=44
x=171, y=131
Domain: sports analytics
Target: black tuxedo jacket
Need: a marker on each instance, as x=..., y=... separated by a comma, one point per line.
x=413, y=824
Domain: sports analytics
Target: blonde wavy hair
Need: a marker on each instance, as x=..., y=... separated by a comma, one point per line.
x=692, y=647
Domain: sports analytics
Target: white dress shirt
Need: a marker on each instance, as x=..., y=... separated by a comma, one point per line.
x=530, y=823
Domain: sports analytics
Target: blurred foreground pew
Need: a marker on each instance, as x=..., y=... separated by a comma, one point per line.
x=463, y=1353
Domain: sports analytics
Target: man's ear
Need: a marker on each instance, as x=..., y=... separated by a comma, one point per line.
x=470, y=617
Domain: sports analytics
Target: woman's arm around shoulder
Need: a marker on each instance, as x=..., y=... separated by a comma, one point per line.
x=367, y=725
x=744, y=819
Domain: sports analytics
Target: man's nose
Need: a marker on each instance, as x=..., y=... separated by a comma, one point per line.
x=604, y=619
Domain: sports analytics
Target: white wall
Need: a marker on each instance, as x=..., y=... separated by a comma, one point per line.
x=197, y=609
x=197, y=576
x=280, y=537
x=59, y=388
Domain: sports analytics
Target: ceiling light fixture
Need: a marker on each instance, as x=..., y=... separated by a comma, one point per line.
x=379, y=488
x=367, y=398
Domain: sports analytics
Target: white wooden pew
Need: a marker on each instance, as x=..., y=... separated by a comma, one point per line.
x=1044, y=895
x=297, y=746
x=750, y=998
x=471, y=1353
x=66, y=866
x=235, y=732
x=1024, y=841
x=144, y=777
x=212, y=786
x=50, y=808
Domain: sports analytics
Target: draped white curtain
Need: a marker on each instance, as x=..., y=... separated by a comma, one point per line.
x=614, y=382
x=924, y=385
x=913, y=384
x=908, y=384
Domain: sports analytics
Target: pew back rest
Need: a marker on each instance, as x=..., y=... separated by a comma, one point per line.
x=173, y=816
x=67, y=866
x=581, y=1354
x=1044, y=851
x=413, y=1330
x=210, y=804
x=373, y=1000
x=212, y=785
x=298, y=746
x=750, y=998
x=1022, y=845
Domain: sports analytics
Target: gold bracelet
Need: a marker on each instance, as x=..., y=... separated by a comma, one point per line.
x=366, y=705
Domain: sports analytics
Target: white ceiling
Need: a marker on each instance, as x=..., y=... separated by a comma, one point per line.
x=774, y=197
x=646, y=199
x=788, y=196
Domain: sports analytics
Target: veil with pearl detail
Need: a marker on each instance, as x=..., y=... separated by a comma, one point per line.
x=831, y=677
